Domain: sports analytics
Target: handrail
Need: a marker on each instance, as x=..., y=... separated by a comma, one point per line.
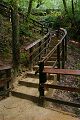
x=39, y=23
x=44, y=42
x=36, y=42
x=51, y=52
x=57, y=47
x=42, y=85
x=39, y=47
x=36, y=48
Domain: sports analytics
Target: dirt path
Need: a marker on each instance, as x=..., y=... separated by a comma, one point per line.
x=14, y=108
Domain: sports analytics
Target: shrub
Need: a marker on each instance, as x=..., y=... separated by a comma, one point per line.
x=24, y=30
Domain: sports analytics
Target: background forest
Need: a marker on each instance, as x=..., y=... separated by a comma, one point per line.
x=47, y=11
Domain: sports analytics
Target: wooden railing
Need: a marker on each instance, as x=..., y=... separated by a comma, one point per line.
x=60, y=48
x=43, y=29
x=42, y=85
x=40, y=48
x=5, y=78
x=37, y=49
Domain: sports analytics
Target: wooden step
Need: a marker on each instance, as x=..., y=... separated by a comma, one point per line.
x=36, y=67
x=53, y=55
x=25, y=90
x=29, y=84
x=25, y=96
x=51, y=58
x=49, y=63
x=28, y=81
x=52, y=44
x=49, y=76
x=33, y=83
x=31, y=74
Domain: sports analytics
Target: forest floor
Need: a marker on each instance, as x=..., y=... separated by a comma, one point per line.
x=73, y=62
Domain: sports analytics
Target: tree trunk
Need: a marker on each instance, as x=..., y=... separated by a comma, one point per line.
x=65, y=6
x=73, y=13
x=29, y=9
x=73, y=8
x=15, y=35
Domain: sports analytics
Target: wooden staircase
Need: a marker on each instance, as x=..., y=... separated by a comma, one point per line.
x=45, y=55
x=28, y=87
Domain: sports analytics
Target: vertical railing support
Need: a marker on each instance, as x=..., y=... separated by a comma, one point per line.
x=65, y=48
x=42, y=80
x=39, y=50
x=42, y=30
x=47, y=30
x=30, y=58
x=8, y=76
x=45, y=46
x=63, y=54
x=58, y=61
x=48, y=40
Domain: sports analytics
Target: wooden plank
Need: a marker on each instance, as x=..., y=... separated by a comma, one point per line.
x=36, y=42
x=5, y=80
x=58, y=56
x=62, y=102
x=61, y=71
x=63, y=54
x=71, y=89
x=5, y=67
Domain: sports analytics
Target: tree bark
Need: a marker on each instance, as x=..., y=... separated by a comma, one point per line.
x=73, y=13
x=73, y=8
x=29, y=9
x=65, y=6
x=15, y=35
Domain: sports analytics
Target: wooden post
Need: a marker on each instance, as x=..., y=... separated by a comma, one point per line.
x=65, y=48
x=47, y=30
x=30, y=58
x=42, y=80
x=45, y=46
x=57, y=32
x=42, y=30
x=58, y=61
x=63, y=54
x=49, y=39
x=39, y=50
x=8, y=76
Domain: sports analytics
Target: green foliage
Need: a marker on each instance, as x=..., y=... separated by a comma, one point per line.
x=43, y=7
x=53, y=21
x=4, y=49
x=24, y=29
x=24, y=58
x=5, y=38
x=38, y=12
x=50, y=21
